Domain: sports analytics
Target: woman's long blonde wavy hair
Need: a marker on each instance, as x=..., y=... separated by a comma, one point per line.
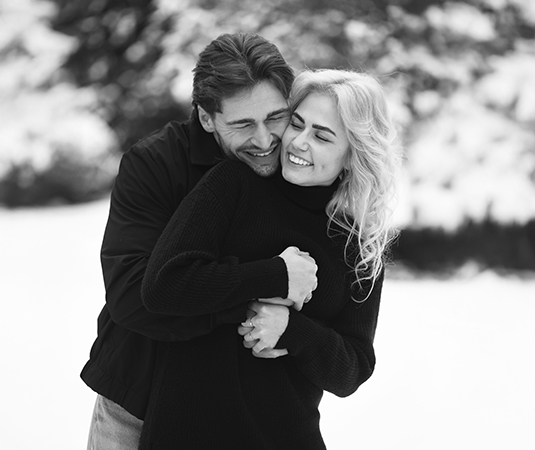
x=363, y=204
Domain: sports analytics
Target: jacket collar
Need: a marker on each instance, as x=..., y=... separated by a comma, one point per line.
x=204, y=149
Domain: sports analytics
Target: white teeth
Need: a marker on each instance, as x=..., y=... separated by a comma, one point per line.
x=260, y=155
x=297, y=160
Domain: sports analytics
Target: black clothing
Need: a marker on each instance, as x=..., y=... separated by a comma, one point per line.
x=211, y=392
x=154, y=176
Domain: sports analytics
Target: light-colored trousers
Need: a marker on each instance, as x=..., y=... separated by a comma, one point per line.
x=112, y=427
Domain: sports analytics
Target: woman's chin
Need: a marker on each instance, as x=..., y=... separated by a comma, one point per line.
x=292, y=177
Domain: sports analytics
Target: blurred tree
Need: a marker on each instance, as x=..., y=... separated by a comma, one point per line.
x=458, y=76
x=444, y=64
x=55, y=145
x=471, y=139
x=119, y=43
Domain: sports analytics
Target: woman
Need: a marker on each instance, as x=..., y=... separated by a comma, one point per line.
x=331, y=199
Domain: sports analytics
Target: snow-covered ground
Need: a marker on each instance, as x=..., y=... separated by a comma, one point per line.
x=455, y=370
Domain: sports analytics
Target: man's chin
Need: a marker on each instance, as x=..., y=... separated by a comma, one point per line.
x=264, y=170
x=263, y=166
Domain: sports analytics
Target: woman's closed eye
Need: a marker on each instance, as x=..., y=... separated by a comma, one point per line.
x=296, y=125
x=322, y=138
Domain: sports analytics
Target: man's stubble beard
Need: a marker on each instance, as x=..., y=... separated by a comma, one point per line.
x=262, y=170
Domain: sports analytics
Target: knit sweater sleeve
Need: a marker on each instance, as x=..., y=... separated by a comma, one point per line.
x=188, y=274
x=336, y=356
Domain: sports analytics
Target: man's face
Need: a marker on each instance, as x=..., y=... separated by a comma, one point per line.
x=250, y=126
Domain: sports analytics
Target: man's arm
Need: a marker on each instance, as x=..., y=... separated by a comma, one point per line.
x=143, y=200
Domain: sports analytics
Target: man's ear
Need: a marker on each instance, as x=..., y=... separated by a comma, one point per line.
x=206, y=120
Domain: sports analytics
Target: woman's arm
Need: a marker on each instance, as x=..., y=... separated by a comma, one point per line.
x=337, y=356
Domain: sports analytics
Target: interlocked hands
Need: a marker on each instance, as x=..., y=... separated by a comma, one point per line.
x=265, y=324
x=268, y=318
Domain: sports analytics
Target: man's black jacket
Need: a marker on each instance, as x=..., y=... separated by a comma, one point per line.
x=154, y=176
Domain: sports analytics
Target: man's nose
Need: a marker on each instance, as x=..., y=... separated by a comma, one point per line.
x=262, y=137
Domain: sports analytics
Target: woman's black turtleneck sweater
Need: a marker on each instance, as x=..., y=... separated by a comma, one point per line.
x=211, y=392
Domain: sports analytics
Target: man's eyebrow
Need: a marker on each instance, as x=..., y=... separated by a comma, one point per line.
x=278, y=112
x=240, y=121
x=315, y=125
x=248, y=120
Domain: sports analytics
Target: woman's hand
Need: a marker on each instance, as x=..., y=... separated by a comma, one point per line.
x=265, y=324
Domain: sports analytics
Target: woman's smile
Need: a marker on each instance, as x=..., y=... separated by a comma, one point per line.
x=299, y=161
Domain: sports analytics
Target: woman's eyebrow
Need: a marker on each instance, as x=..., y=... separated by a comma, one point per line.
x=299, y=117
x=322, y=128
x=315, y=125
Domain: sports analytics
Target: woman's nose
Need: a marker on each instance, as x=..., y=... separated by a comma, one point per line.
x=300, y=142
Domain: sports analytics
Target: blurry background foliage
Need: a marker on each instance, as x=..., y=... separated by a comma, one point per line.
x=82, y=80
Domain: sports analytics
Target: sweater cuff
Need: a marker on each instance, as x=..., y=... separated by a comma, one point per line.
x=297, y=333
x=234, y=315
x=266, y=278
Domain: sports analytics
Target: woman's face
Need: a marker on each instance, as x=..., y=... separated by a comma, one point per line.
x=315, y=145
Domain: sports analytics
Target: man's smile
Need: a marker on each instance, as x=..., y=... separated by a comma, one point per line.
x=261, y=155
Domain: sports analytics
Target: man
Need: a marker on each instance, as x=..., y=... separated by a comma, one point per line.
x=240, y=91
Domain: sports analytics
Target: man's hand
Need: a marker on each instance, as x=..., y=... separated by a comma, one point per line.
x=302, y=278
x=263, y=328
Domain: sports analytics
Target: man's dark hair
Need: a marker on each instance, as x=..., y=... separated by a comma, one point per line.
x=236, y=62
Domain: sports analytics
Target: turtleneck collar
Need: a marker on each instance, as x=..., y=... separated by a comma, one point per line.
x=313, y=198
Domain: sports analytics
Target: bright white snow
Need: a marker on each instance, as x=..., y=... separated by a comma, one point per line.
x=455, y=369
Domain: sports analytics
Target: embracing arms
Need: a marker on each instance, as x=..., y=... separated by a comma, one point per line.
x=189, y=272
x=143, y=202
